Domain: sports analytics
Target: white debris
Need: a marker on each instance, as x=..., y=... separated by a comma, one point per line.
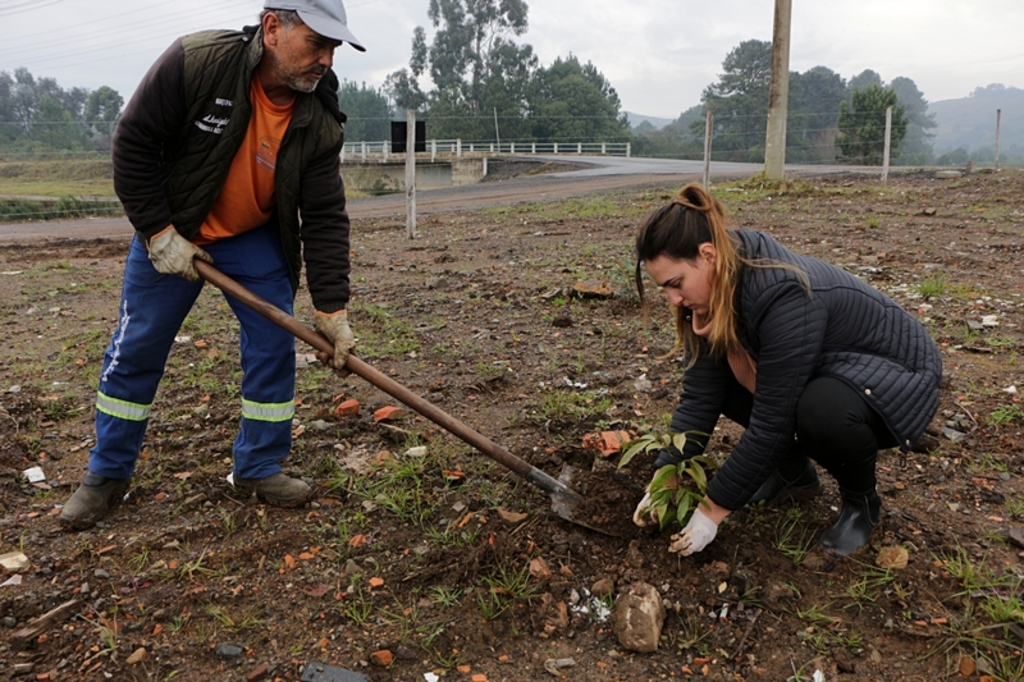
x=1012, y=390
x=990, y=321
x=34, y=475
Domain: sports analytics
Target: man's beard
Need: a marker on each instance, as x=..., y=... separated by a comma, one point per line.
x=304, y=83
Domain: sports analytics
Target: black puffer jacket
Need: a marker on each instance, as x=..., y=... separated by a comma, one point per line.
x=844, y=329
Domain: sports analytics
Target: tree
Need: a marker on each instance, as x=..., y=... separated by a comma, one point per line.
x=862, y=125
x=102, y=110
x=739, y=101
x=368, y=110
x=814, y=99
x=863, y=80
x=476, y=68
x=916, y=147
x=573, y=101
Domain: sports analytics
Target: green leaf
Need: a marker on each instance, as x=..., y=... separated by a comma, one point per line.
x=664, y=479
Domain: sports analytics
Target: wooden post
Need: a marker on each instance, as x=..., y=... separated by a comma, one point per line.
x=888, y=143
x=410, y=173
x=458, y=148
x=362, y=151
x=999, y=116
x=497, y=134
x=709, y=123
x=778, y=95
x=433, y=150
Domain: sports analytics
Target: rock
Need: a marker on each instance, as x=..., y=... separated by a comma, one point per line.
x=539, y=569
x=383, y=658
x=892, y=557
x=511, y=516
x=14, y=562
x=138, y=656
x=637, y=618
x=101, y=574
x=603, y=588
x=388, y=413
x=815, y=561
x=258, y=673
x=552, y=665
x=229, y=651
x=592, y=289
x=10, y=622
x=954, y=435
x=319, y=425
x=947, y=175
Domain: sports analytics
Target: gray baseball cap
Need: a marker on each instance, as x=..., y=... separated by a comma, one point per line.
x=326, y=17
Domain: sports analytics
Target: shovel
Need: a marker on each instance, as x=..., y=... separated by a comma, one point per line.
x=564, y=500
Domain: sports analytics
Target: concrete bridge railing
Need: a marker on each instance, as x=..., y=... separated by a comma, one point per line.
x=365, y=152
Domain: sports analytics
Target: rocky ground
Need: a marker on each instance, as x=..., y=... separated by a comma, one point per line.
x=423, y=559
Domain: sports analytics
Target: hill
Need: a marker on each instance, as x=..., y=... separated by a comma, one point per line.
x=970, y=122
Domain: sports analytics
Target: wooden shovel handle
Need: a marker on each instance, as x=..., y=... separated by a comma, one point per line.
x=384, y=382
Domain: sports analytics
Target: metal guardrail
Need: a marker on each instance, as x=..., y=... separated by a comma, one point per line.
x=362, y=152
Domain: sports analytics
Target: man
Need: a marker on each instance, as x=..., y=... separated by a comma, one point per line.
x=228, y=139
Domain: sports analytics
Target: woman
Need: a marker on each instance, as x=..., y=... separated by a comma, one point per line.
x=813, y=362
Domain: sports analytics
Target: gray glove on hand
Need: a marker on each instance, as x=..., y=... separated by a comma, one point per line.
x=697, y=535
x=172, y=254
x=335, y=327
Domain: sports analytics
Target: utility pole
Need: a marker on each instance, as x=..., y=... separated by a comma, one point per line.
x=999, y=116
x=888, y=145
x=778, y=98
x=410, y=174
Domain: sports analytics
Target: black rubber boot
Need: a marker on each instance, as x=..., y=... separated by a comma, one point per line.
x=94, y=498
x=857, y=519
x=804, y=487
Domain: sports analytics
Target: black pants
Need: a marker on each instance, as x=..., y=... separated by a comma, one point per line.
x=834, y=427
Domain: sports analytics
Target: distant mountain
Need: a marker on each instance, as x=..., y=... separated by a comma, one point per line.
x=637, y=119
x=969, y=123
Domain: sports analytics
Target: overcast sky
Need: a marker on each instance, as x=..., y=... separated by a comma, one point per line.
x=659, y=56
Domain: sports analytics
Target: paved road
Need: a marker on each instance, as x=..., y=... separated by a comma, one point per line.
x=601, y=174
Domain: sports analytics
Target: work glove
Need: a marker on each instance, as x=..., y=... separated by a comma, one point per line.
x=698, y=534
x=644, y=515
x=172, y=254
x=335, y=327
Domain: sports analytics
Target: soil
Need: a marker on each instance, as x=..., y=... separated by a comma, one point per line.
x=520, y=321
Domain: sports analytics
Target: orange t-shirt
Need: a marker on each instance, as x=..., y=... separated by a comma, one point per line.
x=247, y=200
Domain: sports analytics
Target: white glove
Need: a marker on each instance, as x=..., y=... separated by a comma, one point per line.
x=643, y=510
x=697, y=535
x=335, y=327
x=172, y=254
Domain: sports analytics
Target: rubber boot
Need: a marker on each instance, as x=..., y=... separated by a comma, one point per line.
x=857, y=519
x=279, y=490
x=804, y=487
x=94, y=498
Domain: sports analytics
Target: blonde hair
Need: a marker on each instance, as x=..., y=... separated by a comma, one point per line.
x=678, y=230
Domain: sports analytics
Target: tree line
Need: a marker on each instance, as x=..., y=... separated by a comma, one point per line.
x=37, y=116
x=830, y=119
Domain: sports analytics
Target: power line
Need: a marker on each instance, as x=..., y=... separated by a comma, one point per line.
x=164, y=25
x=26, y=7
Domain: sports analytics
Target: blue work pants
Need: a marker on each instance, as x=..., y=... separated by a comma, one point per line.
x=153, y=307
